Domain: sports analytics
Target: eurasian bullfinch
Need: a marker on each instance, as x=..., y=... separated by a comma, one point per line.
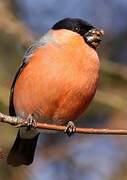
x=55, y=83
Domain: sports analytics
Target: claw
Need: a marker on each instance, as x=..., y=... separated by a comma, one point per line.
x=70, y=129
x=31, y=121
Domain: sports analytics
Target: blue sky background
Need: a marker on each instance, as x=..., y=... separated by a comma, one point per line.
x=41, y=15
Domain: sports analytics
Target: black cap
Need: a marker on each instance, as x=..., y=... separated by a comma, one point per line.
x=75, y=24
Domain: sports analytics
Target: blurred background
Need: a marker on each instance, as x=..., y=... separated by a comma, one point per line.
x=91, y=157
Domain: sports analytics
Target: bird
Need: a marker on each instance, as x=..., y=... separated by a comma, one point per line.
x=55, y=83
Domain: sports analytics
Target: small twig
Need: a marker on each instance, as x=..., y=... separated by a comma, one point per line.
x=23, y=123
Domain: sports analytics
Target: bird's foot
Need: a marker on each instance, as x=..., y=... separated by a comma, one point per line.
x=70, y=129
x=31, y=122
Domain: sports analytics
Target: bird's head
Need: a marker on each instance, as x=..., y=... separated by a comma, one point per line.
x=91, y=35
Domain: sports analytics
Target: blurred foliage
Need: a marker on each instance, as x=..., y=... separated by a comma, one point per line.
x=66, y=158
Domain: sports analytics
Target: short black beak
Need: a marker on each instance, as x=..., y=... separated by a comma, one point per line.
x=93, y=37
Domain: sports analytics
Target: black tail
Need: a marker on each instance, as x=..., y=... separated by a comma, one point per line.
x=22, y=151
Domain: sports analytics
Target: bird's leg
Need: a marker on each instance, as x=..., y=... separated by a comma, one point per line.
x=70, y=129
x=31, y=121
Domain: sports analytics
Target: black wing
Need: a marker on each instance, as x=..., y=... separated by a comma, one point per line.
x=11, y=105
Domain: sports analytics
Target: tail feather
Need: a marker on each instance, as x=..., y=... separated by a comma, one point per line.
x=22, y=151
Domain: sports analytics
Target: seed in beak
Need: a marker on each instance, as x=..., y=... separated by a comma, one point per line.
x=98, y=33
x=101, y=31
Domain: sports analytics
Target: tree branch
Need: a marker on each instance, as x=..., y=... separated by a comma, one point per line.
x=19, y=122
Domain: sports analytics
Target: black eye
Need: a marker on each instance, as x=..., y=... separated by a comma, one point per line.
x=77, y=29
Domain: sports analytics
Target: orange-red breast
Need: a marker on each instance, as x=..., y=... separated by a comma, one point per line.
x=55, y=82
